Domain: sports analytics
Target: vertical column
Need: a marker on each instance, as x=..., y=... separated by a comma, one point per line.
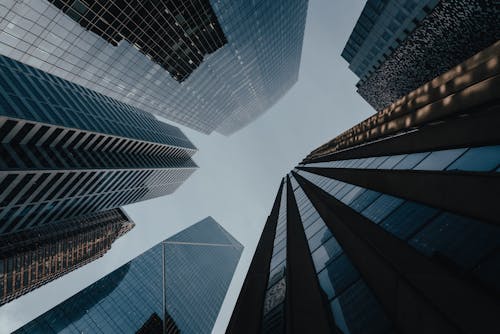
x=247, y=314
x=305, y=305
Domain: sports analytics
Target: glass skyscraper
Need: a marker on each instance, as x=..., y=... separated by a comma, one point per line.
x=207, y=64
x=30, y=259
x=182, y=280
x=66, y=151
x=392, y=226
x=397, y=46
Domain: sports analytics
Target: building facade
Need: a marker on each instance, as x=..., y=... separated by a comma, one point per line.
x=399, y=45
x=380, y=29
x=184, y=278
x=68, y=151
x=391, y=227
x=209, y=65
x=36, y=257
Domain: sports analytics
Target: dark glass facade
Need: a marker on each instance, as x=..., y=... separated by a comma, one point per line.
x=431, y=36
x=392, y=226
x=33, y=258
x=198, y=266
x=66, y=150
x=174, y=34
x=210, y=65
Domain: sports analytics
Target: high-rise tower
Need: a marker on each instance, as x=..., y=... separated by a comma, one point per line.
x=178, y=285
x=210, y=65
x=36, y=257
x=399, y=45
x=391, y=227
x=68, y=151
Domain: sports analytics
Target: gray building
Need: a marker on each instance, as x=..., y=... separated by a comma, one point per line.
x=392, y=226
x=209, y=65
x=381, y=27
x=67, y=151
x=177, y=285
x=397, y=46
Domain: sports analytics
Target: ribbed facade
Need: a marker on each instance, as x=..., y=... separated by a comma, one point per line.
x=209, y=65
x=31, y=259
x=185, y=278
x=399, y=45
x=68, y=151
x=392, y=226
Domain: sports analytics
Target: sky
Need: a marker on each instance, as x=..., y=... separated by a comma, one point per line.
x=239, y=175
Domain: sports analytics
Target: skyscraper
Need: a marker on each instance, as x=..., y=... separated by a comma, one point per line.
x=210, y=65
x=399, y=45
x=33, y=258
x=391, y=227
x=184, y=280
x=68, y=151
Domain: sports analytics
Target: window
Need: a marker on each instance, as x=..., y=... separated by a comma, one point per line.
x=458, y=239
x=407, y=219
x=337, y=276
x=325, y=253
x=483, y=159
x=381, y=207
x=439, y=160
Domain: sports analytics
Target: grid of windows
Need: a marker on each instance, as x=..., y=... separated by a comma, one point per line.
x=353, y=306
x=463, y=244
x=274, y=302
x=80, y=152
x=199, y=265
x=229, y=89
x=174, y=34
x=33, y=258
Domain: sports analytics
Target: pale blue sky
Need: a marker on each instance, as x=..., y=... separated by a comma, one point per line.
x=239, y=175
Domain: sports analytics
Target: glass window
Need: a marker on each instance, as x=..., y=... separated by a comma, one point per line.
x=366, y=162
x=319, y=238
x=337, y=276
x=481, y=159
x=363, y=200
x=462, y=240
x=381, y=207
x=311, y=218
x=407, y=219
x=314, y=227
x=342, y=192
x=279, y=246
x=392, y=161
x=324, y=254
x=352, y=195
x=376, y=162
x=357, y=311
x=276, y=274
x=411, y=160
x=439, y=160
